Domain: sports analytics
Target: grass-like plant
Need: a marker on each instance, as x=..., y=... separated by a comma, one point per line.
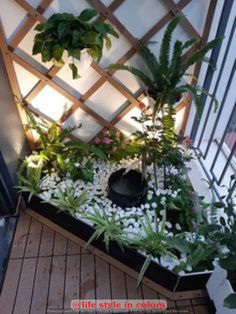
x=152, y=242
x=109, y=227
x=67, y=200
x=164, y=81
x=29, y=175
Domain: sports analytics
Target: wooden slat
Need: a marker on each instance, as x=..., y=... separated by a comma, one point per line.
x=132, y=291
x=60, y=245
x=33, y=242
x=9, y=288
x=29, y=23
x=73, y=248
x=41, y=286
x=87, y=277
x=118, y=287
x=103, y=287
x=30, y=9
x=201, y=309
x=115, y=4
x=47, y=240
x=185, y=22
x=170, y=303
x=149, y=293
x=20, y=238
x=104, y=11
x=56, y=289
x=25, y=288
x=72, y=280
x=58, y=88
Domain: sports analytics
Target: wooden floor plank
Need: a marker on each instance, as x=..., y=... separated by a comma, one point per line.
x=56, y=288
x=87, y=277
x=41, y=285
x=72, y=280
x=132, y=291
x=170, y=303
x=73, y=248
x=60, y=270
x=25, y=288
x=201, y=309
x=33, y=242
x=9, y=289
x=47, y=240
x=118, y=287
x=21, y=236
x=149, y=293
x=103, y=288
x=60, y=245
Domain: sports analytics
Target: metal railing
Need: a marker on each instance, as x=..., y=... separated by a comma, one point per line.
x=214, y=132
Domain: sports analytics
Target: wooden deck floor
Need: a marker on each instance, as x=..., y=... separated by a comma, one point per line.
x=47, y=270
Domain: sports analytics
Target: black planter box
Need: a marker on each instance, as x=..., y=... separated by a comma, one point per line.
x=129, y=257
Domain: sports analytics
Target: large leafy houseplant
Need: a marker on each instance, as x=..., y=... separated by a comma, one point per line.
x=164, y=81
x=66, y=32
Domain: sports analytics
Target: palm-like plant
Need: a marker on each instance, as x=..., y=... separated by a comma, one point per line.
x=164, y=81
x=67, y=200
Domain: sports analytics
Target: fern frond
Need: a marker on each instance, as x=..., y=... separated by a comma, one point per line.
x=140, y=74
x=165, y=46
x=199, y=54
x=175, y=66
x=190, y=43
x=151, y=61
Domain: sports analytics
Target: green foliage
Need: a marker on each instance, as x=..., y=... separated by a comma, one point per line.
x=29, y=175
x=109, y=227
x=66, y=32
x=68, y=200
x=152, y=242
x=230, y=301
x=166, y=72
x=116, y=146
x=61, y=153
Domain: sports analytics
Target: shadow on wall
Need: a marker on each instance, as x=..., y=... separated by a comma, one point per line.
x=13, y=143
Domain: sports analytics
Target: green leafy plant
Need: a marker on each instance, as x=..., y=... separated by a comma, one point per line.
x=164, y=82
x=68, y=200
x=66, y=32
x=58, y=151
x=29, y=175
x=109, y=227
x=115, y=145
x=152, y=242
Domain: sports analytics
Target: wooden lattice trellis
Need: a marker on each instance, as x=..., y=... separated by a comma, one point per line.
x=107, y=13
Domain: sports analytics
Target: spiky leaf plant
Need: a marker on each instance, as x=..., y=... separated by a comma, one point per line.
x=164, y=83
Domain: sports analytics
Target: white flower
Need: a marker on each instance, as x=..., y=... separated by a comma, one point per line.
x=154, y=205
x=149, y=197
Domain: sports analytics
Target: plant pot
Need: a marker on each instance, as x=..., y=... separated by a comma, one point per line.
x=127, y=189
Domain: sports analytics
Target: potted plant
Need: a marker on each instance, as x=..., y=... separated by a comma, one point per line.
x=73, y=34
x=158, y=139
x=164, y=83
